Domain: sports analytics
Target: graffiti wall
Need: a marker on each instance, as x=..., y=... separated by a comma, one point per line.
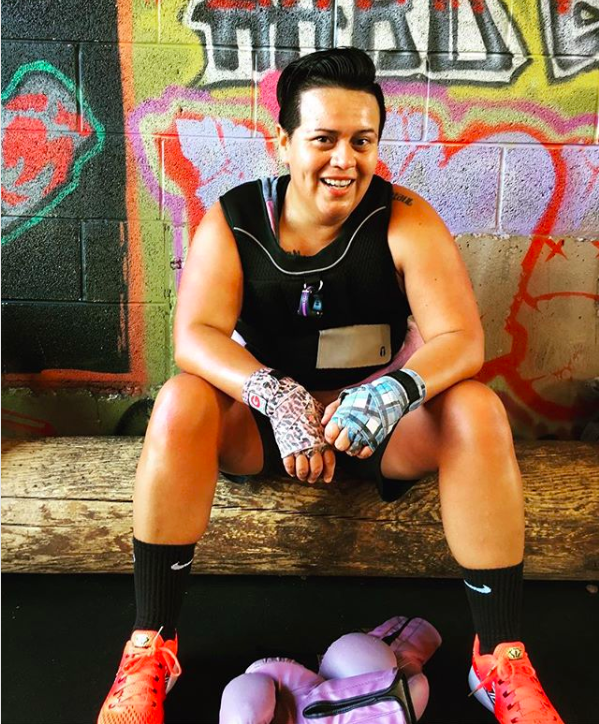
x=123, y=124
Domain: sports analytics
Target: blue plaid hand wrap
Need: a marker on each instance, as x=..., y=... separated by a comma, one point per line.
x=371, y=411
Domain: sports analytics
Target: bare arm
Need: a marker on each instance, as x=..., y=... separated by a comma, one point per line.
x=440, y=294
x=208, y=305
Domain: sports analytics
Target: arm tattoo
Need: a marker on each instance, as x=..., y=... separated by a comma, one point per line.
x=407, y=200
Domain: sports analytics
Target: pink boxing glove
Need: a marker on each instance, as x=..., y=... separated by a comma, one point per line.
x=412, y=640
x=281, y=691
x=267, y=692
x=367, y=681
x=399, y=642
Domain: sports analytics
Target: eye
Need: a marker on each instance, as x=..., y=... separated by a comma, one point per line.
x=362, y=142
x=323, y=139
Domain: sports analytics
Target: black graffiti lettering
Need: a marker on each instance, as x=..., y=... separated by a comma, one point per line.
x=393, y=16
x=224, y=24
x=572, y=37
x=399, y=34
x=443, y=41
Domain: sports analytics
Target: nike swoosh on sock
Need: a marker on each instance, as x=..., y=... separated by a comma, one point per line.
x=483, y=589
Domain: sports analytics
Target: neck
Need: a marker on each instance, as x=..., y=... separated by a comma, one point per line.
x=296, y=221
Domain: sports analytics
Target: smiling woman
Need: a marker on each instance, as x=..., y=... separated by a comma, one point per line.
x=331, y=155
x=319, y=272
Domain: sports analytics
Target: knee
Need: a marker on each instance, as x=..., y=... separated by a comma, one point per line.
x=474, y=415
x=186, y=405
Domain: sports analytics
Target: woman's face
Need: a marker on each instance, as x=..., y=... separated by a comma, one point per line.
x=333, y=153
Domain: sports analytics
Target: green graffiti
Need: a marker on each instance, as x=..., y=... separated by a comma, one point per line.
x=42, y=66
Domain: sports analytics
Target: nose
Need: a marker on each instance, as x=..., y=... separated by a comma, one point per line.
x=343, y=155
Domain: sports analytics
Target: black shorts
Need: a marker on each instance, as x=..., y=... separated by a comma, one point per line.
x=369, y=469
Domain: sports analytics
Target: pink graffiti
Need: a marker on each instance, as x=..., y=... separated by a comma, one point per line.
x=205, y=156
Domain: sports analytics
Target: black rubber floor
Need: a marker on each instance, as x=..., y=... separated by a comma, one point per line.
x=62, y=638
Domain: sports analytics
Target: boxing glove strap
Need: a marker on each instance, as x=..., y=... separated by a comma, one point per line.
x=397, y=691
x=413, y=384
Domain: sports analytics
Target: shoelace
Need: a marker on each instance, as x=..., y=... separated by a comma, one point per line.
x=136, y=691
x=529, y=702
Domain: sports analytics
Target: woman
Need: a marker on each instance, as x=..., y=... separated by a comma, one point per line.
x=319, y=271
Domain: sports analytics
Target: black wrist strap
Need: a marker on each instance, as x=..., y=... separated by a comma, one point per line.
x=413, y=391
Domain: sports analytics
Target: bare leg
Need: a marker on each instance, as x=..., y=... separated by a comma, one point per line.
x=465, y=435
x=193, y=425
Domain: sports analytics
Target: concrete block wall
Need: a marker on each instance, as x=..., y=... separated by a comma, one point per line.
x=123, y=123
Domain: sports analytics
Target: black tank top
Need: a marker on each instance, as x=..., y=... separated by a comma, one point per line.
x=355, y=273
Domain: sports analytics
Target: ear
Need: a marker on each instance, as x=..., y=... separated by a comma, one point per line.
x=284, y=141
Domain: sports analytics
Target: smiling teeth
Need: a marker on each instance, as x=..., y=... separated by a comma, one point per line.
x=339, y=184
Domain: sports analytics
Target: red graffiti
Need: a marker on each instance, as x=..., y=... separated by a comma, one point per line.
x=28, y=102
x=71, y=121
x=26, y=139
x=564, y=6
x=27, y=142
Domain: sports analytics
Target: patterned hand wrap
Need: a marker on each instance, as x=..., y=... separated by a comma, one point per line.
x=371, y=411
x=294, y=414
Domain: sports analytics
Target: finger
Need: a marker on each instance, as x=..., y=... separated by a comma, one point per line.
x=364, y=453
x=289, y=465
x=302, y=467
x=329, y=460
x=330, y=411
x=331, y=432
x=343, y=443
x=316, y=466
x=357, y=443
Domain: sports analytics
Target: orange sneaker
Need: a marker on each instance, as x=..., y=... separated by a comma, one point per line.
x=506, y=684
x=147, y=672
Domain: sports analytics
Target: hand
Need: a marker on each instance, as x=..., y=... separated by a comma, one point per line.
x=296, y=420
x=311, y=467
x=338, y=437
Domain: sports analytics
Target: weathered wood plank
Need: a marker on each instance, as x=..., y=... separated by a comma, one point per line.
x=67, y=508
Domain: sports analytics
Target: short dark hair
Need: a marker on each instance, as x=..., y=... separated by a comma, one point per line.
x=349, y=68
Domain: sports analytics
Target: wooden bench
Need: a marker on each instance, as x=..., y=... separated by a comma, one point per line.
x=66, y=508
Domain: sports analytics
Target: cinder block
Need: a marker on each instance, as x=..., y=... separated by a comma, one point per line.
x=101, y=83
x=44, y=169
x=570, y=40
x=63, y=336
x=461, y=182
x=536, y=302
x=44, y=263
x=16, y=54
x=561, y=317
x=554, y=114
x=39, y=95
x=220, y=164
x=551, y=191
x=113, y=272
x=64, y=412
x=157, y=67
x=494, y=267
x=149, y=324
x=60, y=20
x=101, y=191
x=579, y=212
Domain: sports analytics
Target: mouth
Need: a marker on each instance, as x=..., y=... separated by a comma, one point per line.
x=338, y=183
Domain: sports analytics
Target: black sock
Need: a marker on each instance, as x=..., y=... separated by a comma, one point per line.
x=160, y=574
x=495, y=598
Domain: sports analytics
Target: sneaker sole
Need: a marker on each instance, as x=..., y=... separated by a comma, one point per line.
x=482, y=695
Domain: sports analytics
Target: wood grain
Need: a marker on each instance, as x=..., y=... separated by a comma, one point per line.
x=66, y=507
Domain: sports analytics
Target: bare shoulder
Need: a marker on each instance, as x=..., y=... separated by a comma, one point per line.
x=415, y=227
x=213, y=219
